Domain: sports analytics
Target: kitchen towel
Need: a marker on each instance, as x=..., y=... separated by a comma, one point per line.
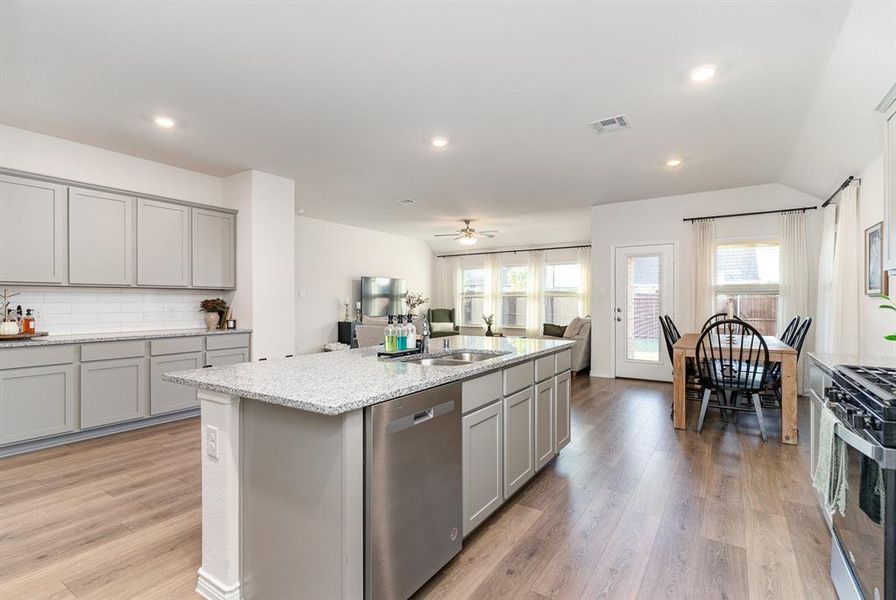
x=830, y=472
x=871, y=490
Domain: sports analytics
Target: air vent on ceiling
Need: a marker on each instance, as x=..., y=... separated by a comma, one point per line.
x=610, y=124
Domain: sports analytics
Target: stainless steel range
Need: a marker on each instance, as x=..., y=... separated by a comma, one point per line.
x=863, y=557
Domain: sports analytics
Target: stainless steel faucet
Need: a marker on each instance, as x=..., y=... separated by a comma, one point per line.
x=424, y=327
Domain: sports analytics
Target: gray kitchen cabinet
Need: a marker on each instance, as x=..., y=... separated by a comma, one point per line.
x=165, y=396
x=32, y=246
x=100, y=238
x=112, y=391
x=562, y=411
x=36, y=402
x=519, y=446
x=231, y=356
x=544, y=422
x=163, y=243
x=214, y=248
x=483, y=481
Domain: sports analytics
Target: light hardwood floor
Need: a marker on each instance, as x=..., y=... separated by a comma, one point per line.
x=631, y=509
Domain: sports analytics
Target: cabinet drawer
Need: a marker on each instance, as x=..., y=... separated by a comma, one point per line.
x=563, y=361
x=518, y=377
x=222, y=341
x=113, y=350
x=480, y=391
x=36, y=402
x=13, y=358
x=544, y=367
x=113, y=391
x=175, y=345
x=233, y=356
x=165, y=396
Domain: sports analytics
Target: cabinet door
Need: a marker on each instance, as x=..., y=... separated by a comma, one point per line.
x=112, y=391
x=214, y=246
x=36, y=402
x=544, y=423
x=482, y=464
x=519, y=455
x=233, y=356
x=163, y=244
x=100, y=238
x=165, y=396
x=562, y=413
x=32, y=246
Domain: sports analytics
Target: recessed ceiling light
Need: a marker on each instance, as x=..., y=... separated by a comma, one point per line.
x=673, y=162
x=439, y=142
x=166, y=122
x=703, y=72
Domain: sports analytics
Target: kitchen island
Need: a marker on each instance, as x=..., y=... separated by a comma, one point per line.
x=295, y=471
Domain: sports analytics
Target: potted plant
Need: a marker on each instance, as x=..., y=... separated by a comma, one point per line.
x=7, y=326
x=214, y=310
x=413, y=300
x=489, y=320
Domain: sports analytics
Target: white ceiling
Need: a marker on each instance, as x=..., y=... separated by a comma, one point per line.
x=343, y=98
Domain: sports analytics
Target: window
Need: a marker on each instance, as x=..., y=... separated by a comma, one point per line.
x=561, y=292
x=749, y=274
x=472, y=296
x=514, y=287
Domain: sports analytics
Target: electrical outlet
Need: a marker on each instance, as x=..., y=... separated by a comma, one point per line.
x=211, y=441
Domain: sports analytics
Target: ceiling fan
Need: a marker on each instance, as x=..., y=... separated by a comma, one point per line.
x=467, y=236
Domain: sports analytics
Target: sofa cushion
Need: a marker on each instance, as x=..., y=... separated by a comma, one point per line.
x=554, y=330
x=376, y=321
x=585, y=330
x=572, y=330
x=439, y=327
x=441, y=315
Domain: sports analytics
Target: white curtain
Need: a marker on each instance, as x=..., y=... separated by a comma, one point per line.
x=492, y=304
x=794, y=268
x=535, y=294
x=822, y=324
x=447, y=284
x=584, y=258
x=843, y=324
x=703, y=240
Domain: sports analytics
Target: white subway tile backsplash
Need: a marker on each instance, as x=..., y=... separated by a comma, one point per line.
x=63, y=311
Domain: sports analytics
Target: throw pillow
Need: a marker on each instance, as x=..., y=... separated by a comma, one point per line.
x=572, y=330
x=376, y=321
x=554, y=330
x=441, y=327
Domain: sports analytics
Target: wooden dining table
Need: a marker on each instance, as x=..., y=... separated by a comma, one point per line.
x=778, y=351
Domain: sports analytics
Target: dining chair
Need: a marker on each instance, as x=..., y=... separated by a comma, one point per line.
x=773, y=380
x=672, y=329
x=790, y=330
x=732, y=366
x=720, y=317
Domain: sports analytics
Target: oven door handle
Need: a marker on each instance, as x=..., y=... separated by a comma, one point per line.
x=872, y=451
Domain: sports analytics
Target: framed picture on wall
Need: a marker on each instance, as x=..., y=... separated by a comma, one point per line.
x=875, y=276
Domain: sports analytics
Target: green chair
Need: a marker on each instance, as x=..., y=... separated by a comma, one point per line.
x=442, y=315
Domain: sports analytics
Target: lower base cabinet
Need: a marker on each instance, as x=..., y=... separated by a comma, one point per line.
x=483, y=483
x=166, y=396
x=519, y=449
x=562, y=412
x=112, y=391
x=544, y=423
x=233, y=356
x=37, y=402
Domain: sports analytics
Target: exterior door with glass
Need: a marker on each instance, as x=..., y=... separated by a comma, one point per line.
x=644, y=292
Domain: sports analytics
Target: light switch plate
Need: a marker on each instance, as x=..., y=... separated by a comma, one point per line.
x=211, y=441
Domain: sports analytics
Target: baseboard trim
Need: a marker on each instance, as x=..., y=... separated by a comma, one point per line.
x=211, y=589
x=602, y=375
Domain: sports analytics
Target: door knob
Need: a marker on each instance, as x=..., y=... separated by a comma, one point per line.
x=618, y=318
x=619, y=310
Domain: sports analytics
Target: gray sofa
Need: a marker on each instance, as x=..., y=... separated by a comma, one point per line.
x=579, y=330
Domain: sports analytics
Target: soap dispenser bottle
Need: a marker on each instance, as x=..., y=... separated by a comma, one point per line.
x=390, y=333
x=410, y=332
x=402, y=336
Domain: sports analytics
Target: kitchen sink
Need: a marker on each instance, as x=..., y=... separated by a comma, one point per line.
x=474, y=356
x=453, y=359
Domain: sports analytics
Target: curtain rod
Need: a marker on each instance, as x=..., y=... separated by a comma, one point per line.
x=514, y=251
x=749, y=214
x=842, y=187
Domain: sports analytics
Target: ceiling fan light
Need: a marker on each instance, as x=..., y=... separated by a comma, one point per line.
x=467, y=240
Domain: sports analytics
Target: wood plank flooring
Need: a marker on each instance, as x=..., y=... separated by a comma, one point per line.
x=630, y=509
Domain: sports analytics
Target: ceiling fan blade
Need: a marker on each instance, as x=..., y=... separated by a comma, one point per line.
x=444, y=235
x=489, y=232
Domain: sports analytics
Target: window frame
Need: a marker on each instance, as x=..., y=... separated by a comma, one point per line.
x=558, y=294
x=464, y=295
x=522, y=294
x=747, y=289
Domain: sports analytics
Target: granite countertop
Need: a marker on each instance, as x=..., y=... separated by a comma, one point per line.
x=118, y=336
x=333, y=383
x=829, y=361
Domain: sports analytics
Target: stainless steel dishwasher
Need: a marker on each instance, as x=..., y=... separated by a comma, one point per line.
x=412, y=490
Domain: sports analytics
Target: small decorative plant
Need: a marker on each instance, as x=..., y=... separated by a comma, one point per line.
x=414, y=299
x=213, y=305
x=890, y=305
x=7, y=301
x=489, y=320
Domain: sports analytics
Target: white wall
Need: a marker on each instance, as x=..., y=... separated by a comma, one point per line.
x=660, y=220
x=331, y=258
x=47, y=155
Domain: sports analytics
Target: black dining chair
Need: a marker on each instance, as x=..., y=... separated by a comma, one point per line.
x=672, y=329
x=790, y=330
x=795, y=341
x=732, y=366
x=721, y=317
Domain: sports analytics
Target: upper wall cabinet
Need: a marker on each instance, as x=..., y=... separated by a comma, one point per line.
x=214, y=249
x=100, y=238
x=888, y=108
x=32, y=240
x=163, y=244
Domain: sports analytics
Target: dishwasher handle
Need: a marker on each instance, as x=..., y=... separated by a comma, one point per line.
x=428, y=414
